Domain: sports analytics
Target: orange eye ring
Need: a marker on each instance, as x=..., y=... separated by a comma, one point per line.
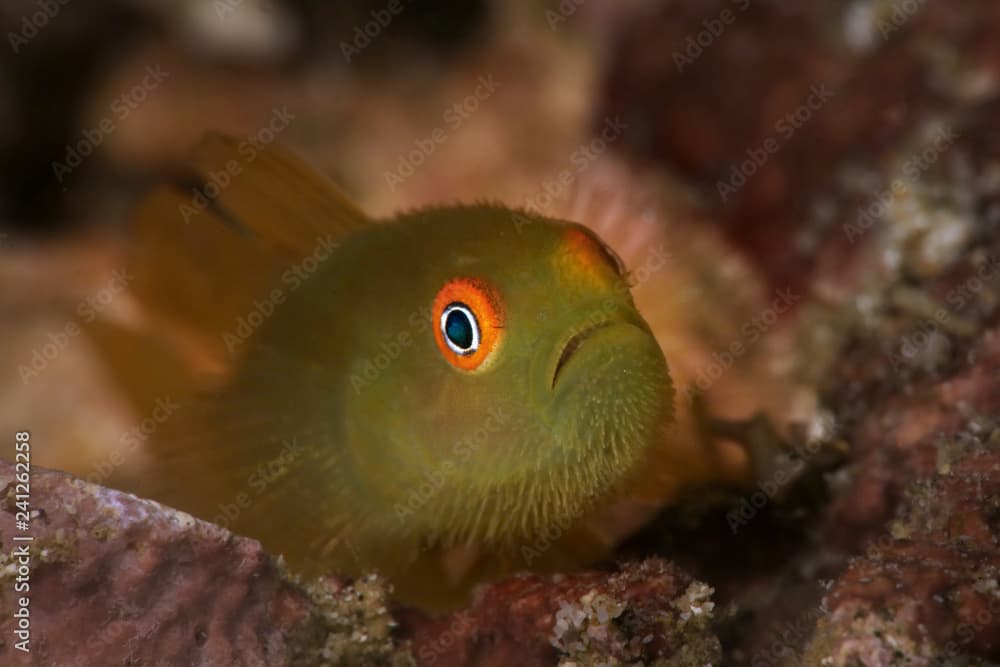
x=468, y=321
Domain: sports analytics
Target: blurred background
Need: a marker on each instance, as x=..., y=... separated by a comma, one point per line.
x=811, y=135
x=834, y=144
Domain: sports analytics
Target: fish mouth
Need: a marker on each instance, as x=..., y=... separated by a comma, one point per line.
x=573, y=345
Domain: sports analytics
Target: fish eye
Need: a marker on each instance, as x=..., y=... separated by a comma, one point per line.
x=460, y=328
x=469, y=315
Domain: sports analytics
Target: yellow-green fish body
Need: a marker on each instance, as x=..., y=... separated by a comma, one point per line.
x=445, y=396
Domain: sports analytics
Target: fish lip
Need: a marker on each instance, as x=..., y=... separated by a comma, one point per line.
x=574, y=343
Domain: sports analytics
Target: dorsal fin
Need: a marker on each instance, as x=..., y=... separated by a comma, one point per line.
x=204, y=257
x=196, y=274
x=281, y=199
x=206, y=253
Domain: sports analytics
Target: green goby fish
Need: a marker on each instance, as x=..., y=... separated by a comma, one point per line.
x=446, y=396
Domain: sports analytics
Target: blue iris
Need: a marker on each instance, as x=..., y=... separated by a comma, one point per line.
x=460, y=329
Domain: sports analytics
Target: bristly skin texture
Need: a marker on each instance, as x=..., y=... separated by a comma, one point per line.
x=396, y=450
x=348, y=437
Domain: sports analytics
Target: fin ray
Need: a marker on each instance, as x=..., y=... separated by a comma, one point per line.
x=277, y=196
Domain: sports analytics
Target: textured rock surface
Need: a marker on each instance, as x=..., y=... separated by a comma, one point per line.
x=893, y=560
x=119, y=580
x=709, y=83
x=930, y=590
x=889, y=560
x=922, y=500
x=649, y=613
x=116, y=579
x=899, y=566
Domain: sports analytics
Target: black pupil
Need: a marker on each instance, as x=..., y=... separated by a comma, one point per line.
x=458, y=328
